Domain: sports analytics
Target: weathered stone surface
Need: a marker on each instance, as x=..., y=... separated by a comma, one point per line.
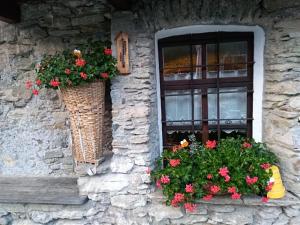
x=161, y=212
x=128, y=201
x=240, y=216
x=105, y=183
x=121, y=164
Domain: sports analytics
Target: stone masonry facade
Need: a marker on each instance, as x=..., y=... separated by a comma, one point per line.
x=35, y=136
x=120, y=193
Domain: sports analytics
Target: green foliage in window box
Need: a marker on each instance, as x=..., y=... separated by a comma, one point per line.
x=90, y=62
x=233, y=166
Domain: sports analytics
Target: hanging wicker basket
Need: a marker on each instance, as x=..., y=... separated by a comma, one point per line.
x=85, y=104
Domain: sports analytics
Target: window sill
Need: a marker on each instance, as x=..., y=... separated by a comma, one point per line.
x=288, y=200
x=40, y=190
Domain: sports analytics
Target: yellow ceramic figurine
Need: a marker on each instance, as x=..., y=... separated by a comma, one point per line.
x=278, y=190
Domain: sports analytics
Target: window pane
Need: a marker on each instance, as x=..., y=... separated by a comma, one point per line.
x=211, y=60
x=233, y=58
x=233, y=106
x=177, y=63
x=178, y=105
x=197, y=61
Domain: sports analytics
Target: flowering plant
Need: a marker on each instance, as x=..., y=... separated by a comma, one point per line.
x=233, y=166
x=88, y=63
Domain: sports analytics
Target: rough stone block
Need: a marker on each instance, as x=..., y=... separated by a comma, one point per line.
x=128, y=201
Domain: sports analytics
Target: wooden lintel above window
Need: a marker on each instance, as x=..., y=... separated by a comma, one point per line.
x=10, y=11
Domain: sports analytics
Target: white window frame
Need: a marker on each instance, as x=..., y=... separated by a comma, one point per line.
x=258, y=68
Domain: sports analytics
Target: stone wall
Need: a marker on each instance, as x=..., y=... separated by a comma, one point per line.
x=120, y=193
x=35, y=135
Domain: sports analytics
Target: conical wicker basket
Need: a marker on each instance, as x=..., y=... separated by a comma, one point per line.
x=86, y=107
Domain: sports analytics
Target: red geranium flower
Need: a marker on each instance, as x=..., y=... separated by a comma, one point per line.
x=236, y=195
x=189, y=188
x=265, y=166
x=190, y=207
x=80, y=62
x=264, y=199
x=231, y=190
x=83, y=75
x=227, y=178
x=165, y=179
x=35, y=92
x=174, y=162
x=247, y=145
x=207, y=197
x=107, y=51
x=104, y=75
x=269, y=186
x=38, y=82
x=223, y=171
x=54, y=83
x=158, y=184
x=179, y=197
x=211, y=144
x=215, y=189
x=209, y=176
x=67, y=71
x=250, y=180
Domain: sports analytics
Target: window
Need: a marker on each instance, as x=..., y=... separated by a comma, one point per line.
x=206, y=85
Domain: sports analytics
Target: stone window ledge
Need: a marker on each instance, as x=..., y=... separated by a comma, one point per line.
x=288, y=200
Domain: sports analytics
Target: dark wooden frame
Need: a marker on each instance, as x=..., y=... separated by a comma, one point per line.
x=204, y=83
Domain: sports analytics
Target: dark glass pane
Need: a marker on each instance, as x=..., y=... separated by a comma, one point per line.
x=211, y=60
x=177, y=63
x=233, y=59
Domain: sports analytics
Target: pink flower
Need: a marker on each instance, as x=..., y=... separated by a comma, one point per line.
x=265, y=166
x=223, y=171
x=83, y=75
x=209, y=176
x=252, y=180
x=269, y=186
x=179, y=197
x=107, y=51
x=235, y=195
x=148, y=170
x=264, y=199
x=158, y=184
x=190, y=207
x=174, y=162
x=54, y=83
x=174, y=203
x=165, y=179
x=211, y=144
x=227, y=178
x=80, y=62
x=207, y=197
x=104, y=75
x=28, y=84
x=189, y=188
x=247, y=145
x=38, y=82
x=231, y=190
x=215, y=189
x=67, y=71
x=35, y=92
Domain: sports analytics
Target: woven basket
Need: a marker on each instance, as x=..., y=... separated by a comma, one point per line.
x=85, y=104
